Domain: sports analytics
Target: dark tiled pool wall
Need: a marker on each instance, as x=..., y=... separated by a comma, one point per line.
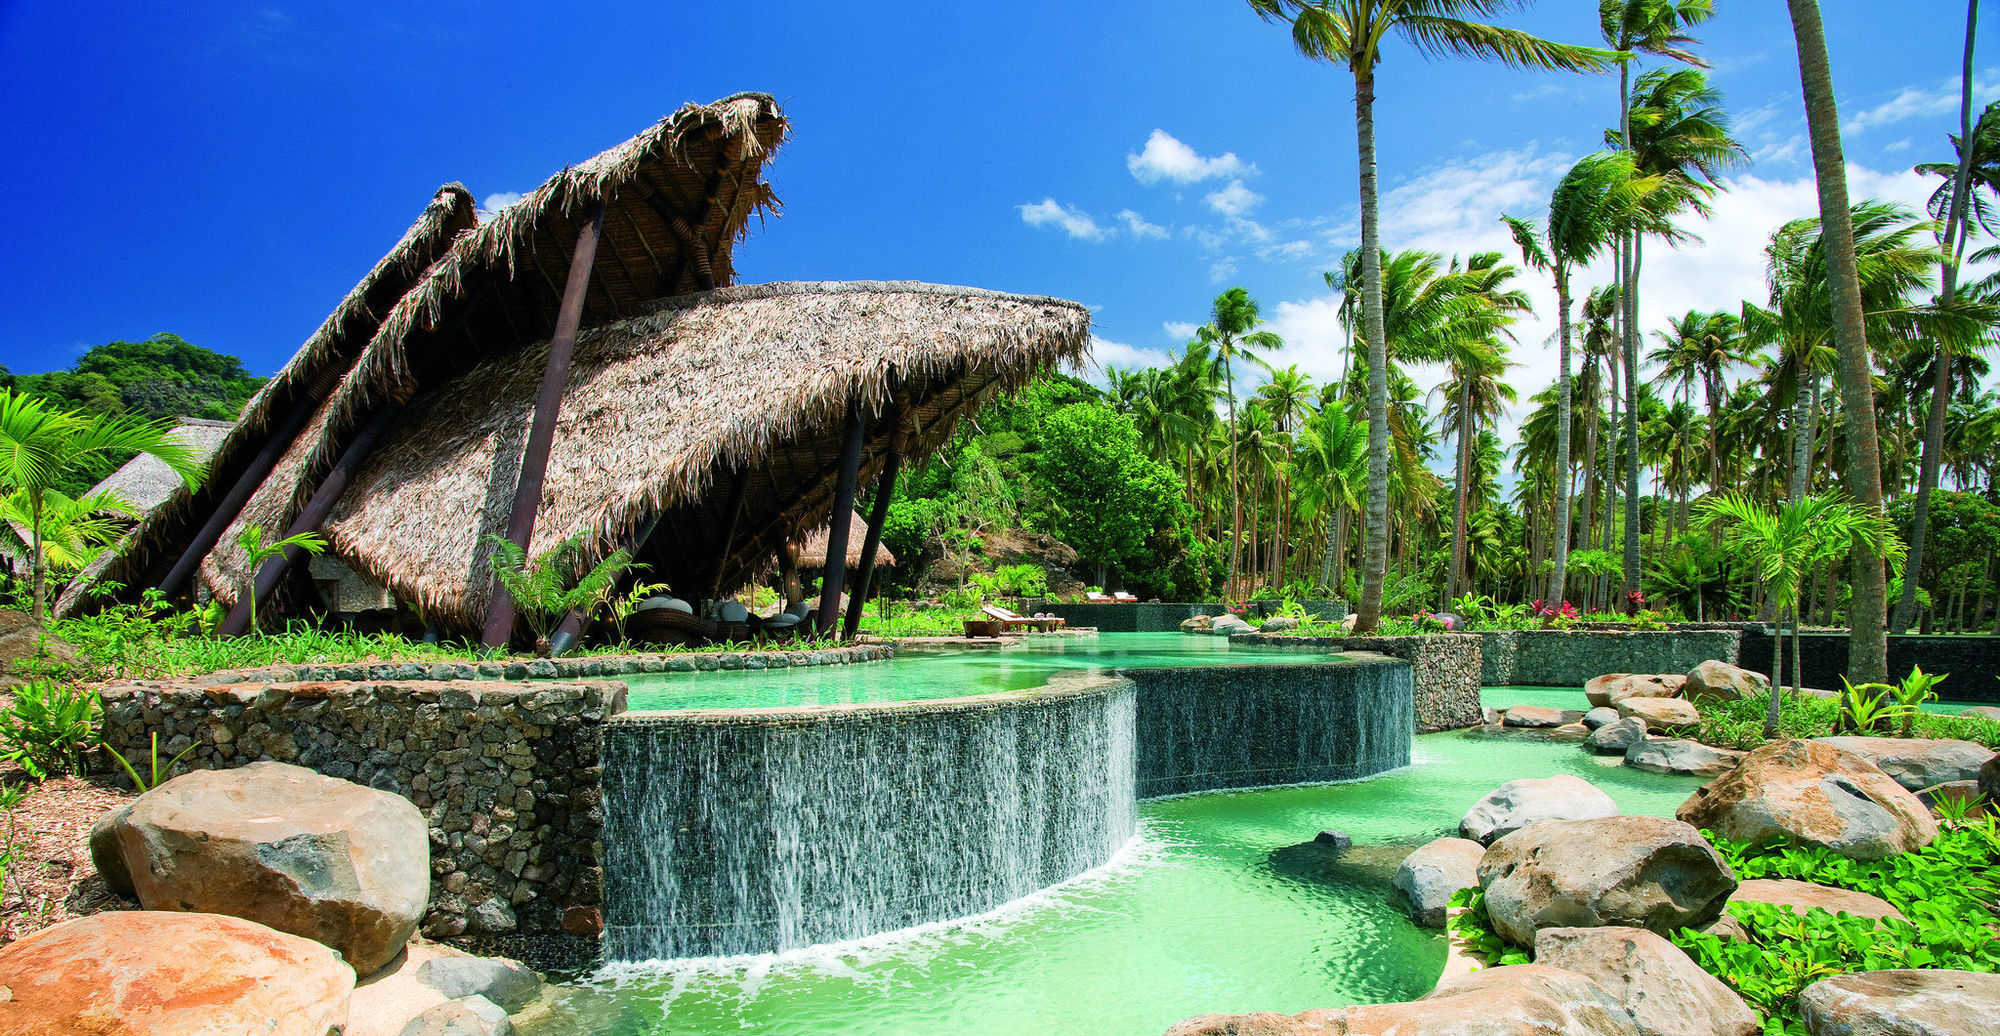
x=1570, y=658
x=1972, y=661
x=1444, y=669
x=1210, y=727
x=757, y=830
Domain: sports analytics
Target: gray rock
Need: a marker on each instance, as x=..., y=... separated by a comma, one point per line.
x=1681, y=756
x=1516, y=804
x=1602, y=715
x=1989, y=779
x=1278, y=624
x=1490, y=716
x=1663, y=990
x=1196, y=624
x=1338, y=840
x=1815, y=793
x=1429, y=877
x=1533, y=716
x=490, y=917
x=472, y=1016
x=311, y=855
x=1647, y=872
x=1991, y=712
x=1915, y=762
x=1902, y=1003
x=502, y=981
x=1724, y=682
x=1802, y=896
x=1617, y=737
x=1612, y=688
x=1661, y=714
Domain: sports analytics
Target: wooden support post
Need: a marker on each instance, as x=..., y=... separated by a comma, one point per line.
x=843, y=508
x=273, y=570
x=738, y=487
x=541, y=431
x=788, y=573
x=885, y=489
x=231, y=505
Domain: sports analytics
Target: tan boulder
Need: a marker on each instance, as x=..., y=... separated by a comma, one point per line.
x=1647, y=872
x=1814, y=793
x=1723, y=682
x=1518, y=803
x=1682, y=757
x=1533, y=716
x=150, y=973
x=1918, y=762
x=1661, y=714
x=1612, y=688
x=1663, y=990
x=1519, y=1000
x=1801, y=896
x=1903, y=1003
x=315, y=856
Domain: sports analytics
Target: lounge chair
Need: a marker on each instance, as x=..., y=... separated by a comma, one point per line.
x=1095, y=597
x=1009, y=620
x=1124, y=598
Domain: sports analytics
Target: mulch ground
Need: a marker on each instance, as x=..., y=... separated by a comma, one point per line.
x=52, y=880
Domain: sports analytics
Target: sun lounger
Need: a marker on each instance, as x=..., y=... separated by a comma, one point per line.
x=1008, y=620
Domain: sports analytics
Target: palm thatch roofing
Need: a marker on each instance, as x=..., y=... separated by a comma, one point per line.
x=714, y=411
x=813, y=553
x=309, y=375
x=145, y=482
x=677, y=198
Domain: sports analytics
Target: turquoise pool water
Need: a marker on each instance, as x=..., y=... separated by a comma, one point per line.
x=919, y=675
x=1222, y=903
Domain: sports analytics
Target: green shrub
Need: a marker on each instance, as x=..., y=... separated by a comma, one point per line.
x=49, y=727
x=1740, y=723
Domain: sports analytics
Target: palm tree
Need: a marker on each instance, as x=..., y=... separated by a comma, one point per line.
x=1333, y=472
x=73, y=530
x=40, y=446
x=1289, y=398
x=1475, y=396
x=1351, y=33
x=1231, y=333
x=1867, y=650
x=1701, y=347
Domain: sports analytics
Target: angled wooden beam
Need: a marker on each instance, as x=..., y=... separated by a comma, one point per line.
x=843, y=508
x=231, y=504
x=704, y=273
x=885, y=489
x=542, y=429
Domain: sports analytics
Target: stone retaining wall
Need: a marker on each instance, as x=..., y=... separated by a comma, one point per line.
x=508, y=774
x=1445, y=670
x=1571, y=657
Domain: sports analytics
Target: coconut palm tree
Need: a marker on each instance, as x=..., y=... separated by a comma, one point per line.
x=1350, y=33
x=40, y=446
x=1333, y=472
x=1474, y=397
x=73, y=530
x=1700, y=347
x=1232, y=335
x=1867, y=651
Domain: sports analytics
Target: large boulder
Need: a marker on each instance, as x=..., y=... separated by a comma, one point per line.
x=1723, y=682
x=1535, y=716
x=1801, y=896
x=1612, y=688
x=1278, y=624
x=1902, y=1003
x=1989, y=779
x=1815, y=793
x=1519, y=1000
x=1429, y=877
x=1987, y=712
x=1681, y=756
x=1918, y=762
x=1663, y=990
x=1518, y=803
x=1616, y=737
x=1196, y=624
x=1661, y=714
x=504, y=982
x=1647, y=872
x=1600, y=716
x=472, y=1016
x=315, y=856
x=171, y=974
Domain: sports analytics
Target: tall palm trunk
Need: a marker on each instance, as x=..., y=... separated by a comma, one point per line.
x=1867, y=650
x=1601, y=586
x=1586, y=530
x=1802, y=436
x=1631, y=355
x=1457, y=580
x=1235, y=483
x=1560, y=541
x=1954, y=246
x=38, y=566
x=1375, y=550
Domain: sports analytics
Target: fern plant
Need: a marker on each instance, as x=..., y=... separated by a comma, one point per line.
x=556, y=583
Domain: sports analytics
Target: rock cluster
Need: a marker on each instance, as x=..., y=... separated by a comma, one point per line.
x=1815, y=793
x=1516, y=804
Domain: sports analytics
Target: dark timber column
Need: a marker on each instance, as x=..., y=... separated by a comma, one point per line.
x=272, y=571
x=885, y=488
x=843, y=509
x=231, y=505
x=542, y=431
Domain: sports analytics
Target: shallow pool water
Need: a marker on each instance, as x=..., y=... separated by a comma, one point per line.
x=917, y=675
x=1222, y=903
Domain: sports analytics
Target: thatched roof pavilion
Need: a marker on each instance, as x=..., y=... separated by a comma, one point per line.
x=812, y=554
x=146, y=482
x=666, y=412
x=308, y=377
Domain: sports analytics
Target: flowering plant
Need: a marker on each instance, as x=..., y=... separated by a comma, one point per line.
x=1561, y=613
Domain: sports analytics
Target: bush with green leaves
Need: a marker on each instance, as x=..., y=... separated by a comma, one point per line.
x=1023, y=580
x=1740, y=723
x=557, y=582
x=49, y=727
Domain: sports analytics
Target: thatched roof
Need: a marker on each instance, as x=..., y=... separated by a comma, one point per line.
x=310, y=374
x=813, y=553
x=146, y=482
x=498, y=286
x=664, y=408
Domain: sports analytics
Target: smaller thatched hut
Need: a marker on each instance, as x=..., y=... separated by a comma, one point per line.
x=146, y=482
x=812, y=554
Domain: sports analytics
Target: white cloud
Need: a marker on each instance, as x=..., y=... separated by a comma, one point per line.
x=1234, y=200
x=1179, y=330
x=1912, y=102
x=1166, y=158
x=1071, y=220
x=1221, y=270
x=1137, y=226
x=1902, y=145
x=497, y=201
x=1107, y=353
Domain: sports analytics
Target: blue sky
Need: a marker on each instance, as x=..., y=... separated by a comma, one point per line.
x=226, y=172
